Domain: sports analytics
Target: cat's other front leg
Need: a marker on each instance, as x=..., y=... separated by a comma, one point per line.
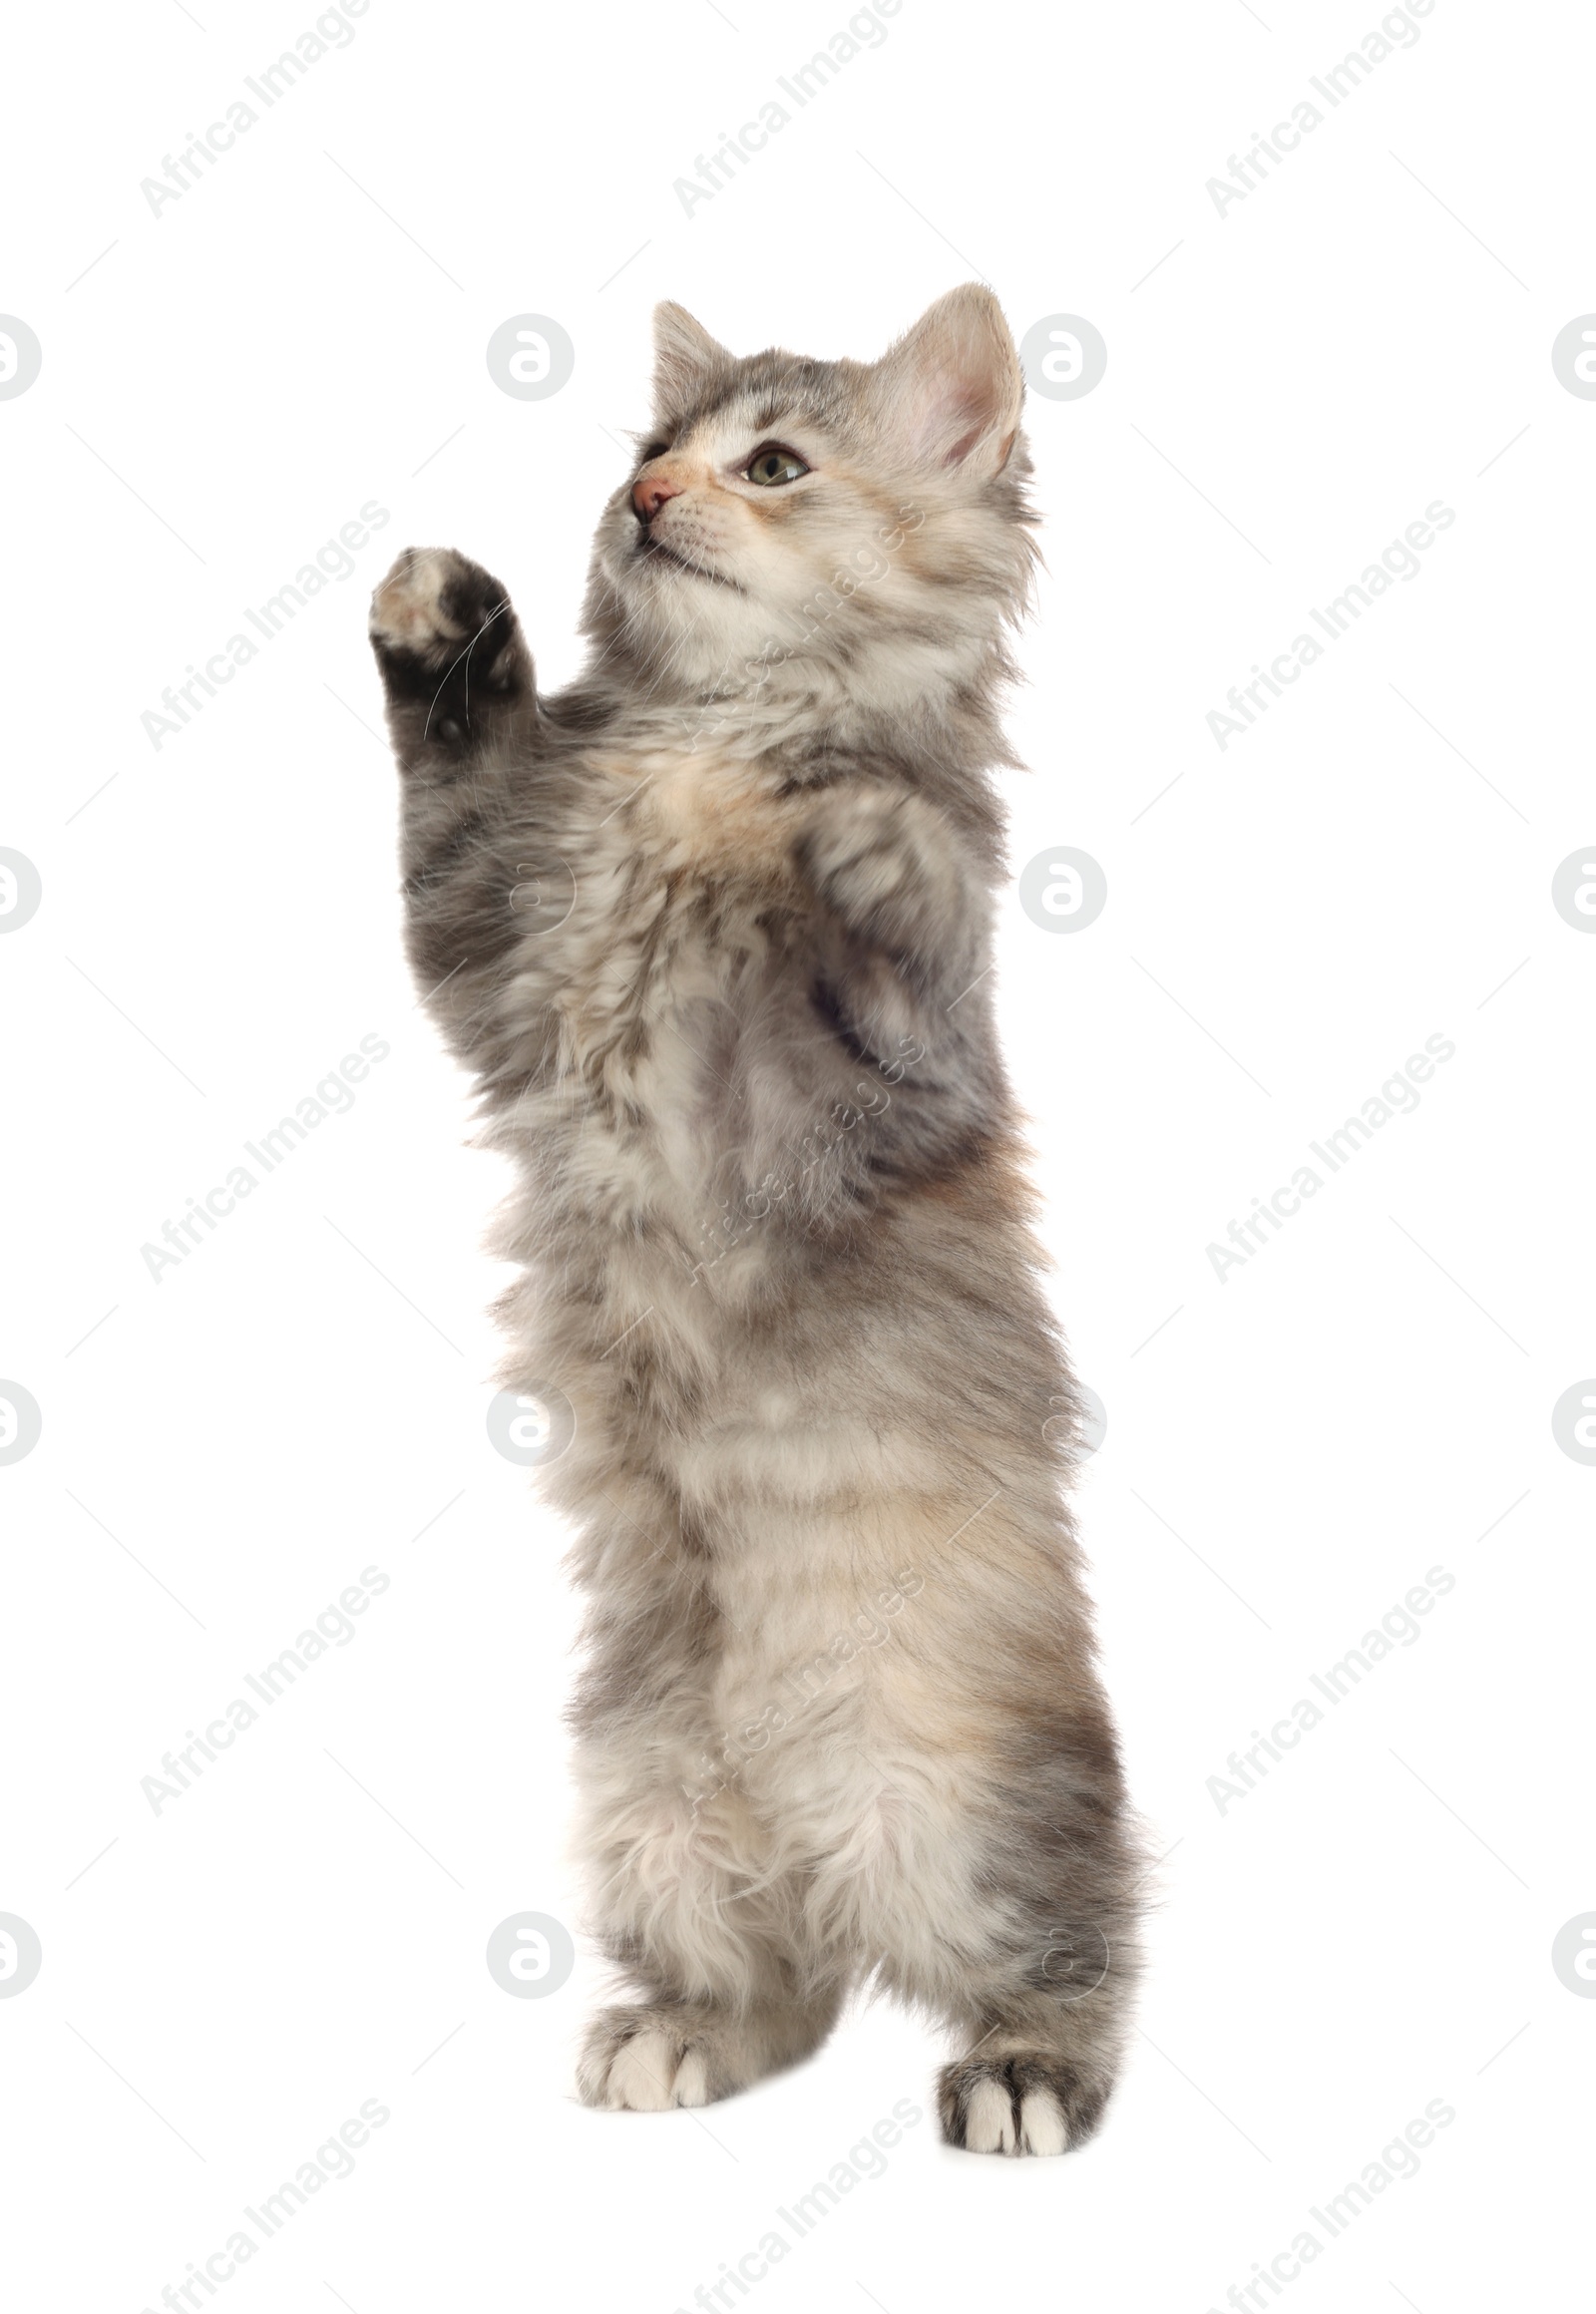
x=892, y=871
x=899, y=982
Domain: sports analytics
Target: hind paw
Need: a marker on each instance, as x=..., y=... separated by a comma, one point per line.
x=1016, y=2105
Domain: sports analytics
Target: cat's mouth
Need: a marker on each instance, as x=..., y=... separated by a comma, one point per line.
x=648, y=546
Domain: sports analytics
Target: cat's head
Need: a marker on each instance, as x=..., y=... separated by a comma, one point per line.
x=817, y=529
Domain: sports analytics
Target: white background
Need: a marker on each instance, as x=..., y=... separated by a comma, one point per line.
x=1288, y=1450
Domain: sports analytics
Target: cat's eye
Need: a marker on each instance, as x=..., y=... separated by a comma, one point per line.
x=654, y=450
x=772, y=464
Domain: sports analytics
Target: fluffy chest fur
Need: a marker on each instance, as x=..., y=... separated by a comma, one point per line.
x=686, y=1070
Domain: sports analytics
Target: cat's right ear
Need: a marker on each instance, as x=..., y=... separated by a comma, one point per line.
x=687, y=360
x=949, y=393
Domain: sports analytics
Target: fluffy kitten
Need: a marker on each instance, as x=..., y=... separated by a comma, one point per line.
x=712, y=928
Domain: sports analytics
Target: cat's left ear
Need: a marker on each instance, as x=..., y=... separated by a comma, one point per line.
x=687, y=360
x=949, y=391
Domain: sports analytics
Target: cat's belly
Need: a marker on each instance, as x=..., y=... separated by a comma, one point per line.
x=841, y=1765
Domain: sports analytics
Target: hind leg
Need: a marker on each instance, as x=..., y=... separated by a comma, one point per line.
x=689, y=1909
x=1044, y=2018
x=648, y=2055
x=1036, y=2082
x=1024, y=1941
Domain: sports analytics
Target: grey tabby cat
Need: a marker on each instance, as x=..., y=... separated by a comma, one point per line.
x=712, y=928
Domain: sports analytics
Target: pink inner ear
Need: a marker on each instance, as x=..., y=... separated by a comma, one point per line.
x=967, y=406
x=954, y=414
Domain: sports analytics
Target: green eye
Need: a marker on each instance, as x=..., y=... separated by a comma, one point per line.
x=771, y=464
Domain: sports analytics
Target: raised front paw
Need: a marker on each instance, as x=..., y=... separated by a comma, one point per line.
x=447, y=641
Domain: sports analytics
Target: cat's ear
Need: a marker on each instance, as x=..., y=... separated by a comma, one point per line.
x=686, y=359
x=949, y=391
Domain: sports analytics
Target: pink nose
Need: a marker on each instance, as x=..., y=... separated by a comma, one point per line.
x=651, y=494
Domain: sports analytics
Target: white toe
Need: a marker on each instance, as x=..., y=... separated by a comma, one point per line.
x=990, y=2119
x=693, y=2081
x=640, y=2076
x=1041, y=2124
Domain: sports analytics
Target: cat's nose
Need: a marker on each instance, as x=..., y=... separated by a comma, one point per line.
x=651, y=492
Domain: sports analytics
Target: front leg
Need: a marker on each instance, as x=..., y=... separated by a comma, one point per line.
x=456, y=671
x=462, y=714
x=903, y=948
x=888, y=867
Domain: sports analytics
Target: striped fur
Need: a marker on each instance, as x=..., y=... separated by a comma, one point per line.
x=711, y=928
